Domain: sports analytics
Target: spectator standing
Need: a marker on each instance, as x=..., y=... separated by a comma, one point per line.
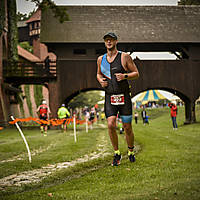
x=143, y=114
x=136, y=117
x=173, y=113
x=147, y=119
x=92, y=117
x=102, y=116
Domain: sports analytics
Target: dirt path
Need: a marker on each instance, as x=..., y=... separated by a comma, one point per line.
x=35, y=176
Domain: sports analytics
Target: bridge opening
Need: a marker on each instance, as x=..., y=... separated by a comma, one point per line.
x=157, y=102
x=86, y=98
x=155, y=98
x=83, y=102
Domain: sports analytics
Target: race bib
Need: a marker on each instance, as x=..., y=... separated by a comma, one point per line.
x=117, y=99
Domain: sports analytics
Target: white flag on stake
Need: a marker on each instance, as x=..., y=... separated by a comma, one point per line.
x=29, y=153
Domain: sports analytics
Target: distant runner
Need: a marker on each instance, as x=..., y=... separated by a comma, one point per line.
x=43, y=112
x=63, y=113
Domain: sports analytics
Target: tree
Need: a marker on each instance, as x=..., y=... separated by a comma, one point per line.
x=12, y=31
x=59, y=12
x=23, y=17
x=27, y=46
x=2, y=17
x=89, y=99
x=189, y=2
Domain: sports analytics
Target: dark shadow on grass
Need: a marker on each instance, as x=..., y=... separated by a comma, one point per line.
x=191, y=124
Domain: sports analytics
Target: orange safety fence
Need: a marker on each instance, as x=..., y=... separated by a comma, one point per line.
x=54, y=122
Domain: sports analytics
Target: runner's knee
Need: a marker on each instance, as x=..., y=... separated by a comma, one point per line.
x=111, y=124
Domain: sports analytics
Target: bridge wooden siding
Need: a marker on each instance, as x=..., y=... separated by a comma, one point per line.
x=81, y=75
x=131, y=23
x=19, y=73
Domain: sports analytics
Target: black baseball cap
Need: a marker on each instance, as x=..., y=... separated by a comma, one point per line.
x=112, y=35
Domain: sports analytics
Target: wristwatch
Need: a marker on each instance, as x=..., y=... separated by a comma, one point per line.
x=126, y=76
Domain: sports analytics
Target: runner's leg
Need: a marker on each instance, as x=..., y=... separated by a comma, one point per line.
x=112, y=131
x=129, y=134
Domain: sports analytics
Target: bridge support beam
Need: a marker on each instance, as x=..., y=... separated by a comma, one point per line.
x=190, y=116
x=4, y=108
x=54, y=102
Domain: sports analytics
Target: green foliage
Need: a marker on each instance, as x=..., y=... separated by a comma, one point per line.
x=38, y=94
x=23, y=17
x=59, y=12
x=27, y=46
x=28, y=99
x=12, y=32
x=189, y=2
x=89, y=99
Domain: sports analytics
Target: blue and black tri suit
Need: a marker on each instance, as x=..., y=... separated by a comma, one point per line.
x=116, y=87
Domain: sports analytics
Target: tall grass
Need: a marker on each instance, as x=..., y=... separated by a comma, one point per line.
x=166, y=168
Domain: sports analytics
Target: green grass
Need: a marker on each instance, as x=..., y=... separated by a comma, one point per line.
x=166, y=168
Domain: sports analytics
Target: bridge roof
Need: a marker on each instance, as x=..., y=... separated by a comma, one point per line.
x=137, y=24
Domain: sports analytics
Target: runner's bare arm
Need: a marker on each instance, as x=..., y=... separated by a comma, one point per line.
x=49, y=111
x=130, y=67
x=100, y=77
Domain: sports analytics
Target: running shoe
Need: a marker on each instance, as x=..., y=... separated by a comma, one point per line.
x=131, y=156
x=116, y=160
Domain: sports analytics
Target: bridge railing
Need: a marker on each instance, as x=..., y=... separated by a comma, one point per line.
x=33, y=70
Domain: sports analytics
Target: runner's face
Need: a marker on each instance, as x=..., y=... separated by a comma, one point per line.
x=110, y=43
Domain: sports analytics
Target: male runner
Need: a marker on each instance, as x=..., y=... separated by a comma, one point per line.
x=43, y=112
x=114, y=68
x=63, y=113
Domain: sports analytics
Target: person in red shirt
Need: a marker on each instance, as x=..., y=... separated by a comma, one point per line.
x=173, y=112
x=43, y=112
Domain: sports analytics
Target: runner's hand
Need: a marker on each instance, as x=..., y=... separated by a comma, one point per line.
x=119, y=76
x=103, y=82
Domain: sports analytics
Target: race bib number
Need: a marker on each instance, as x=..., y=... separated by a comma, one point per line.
x=117, y=99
